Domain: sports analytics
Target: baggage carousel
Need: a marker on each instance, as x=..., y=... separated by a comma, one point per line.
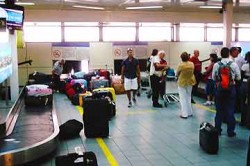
x=27, y=133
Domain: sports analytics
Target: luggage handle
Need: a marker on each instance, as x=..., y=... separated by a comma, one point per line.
x=204, y=125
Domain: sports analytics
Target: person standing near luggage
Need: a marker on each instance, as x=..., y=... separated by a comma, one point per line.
x=245, y=75
x=225, y=74
x=186, y=79
x=56, y=72
x=130, y=75
x=234, y=53
x=210, y=84
x=155, y=76
x=197, y=72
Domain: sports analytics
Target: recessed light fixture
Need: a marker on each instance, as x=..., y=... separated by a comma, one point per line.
x=89, y=7
x=25, y=3
x=144, y=7
x=210, y=7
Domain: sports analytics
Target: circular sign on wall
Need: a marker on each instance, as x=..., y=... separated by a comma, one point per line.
x=56, y=53
x=117, y=52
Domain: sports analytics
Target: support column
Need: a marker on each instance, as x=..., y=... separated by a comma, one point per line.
x=14, y=85
x=177, y=32
x=227, y=22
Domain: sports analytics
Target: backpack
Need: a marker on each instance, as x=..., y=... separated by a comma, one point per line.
x=225, y=80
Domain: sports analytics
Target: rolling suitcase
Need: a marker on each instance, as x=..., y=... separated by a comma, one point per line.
x=80, y=81
x=209, y=138
x=96, y=117
x=99, y=83
x=107, y=93
x=110, y=89
x=77, y=99
x=104, y=73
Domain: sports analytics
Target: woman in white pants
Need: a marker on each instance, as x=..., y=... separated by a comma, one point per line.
x=186, y=79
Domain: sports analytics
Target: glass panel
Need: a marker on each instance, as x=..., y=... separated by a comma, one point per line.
x=81, y=34
x=191, y=34
x=244, y=34
x=119, y=33
x=154, y=33
x=42, y=32
x=215, y=34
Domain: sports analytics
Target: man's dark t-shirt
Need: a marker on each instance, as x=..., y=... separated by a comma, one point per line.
x=130, y=68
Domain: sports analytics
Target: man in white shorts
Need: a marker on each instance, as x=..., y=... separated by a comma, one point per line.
x=130, y=75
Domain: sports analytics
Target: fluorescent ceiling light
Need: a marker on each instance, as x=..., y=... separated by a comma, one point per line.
x=89, y=7
x=210, y=7
x=25, y=3
x=2, y=3
x=144, y=7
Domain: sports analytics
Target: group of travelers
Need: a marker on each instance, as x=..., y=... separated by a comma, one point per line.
x=226, y=79
x=226, y=82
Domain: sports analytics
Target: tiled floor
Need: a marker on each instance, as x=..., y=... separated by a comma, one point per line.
x=144, y=136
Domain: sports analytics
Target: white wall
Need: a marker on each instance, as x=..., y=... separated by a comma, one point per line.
x=101, y=54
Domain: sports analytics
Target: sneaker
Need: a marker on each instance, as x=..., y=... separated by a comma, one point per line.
x=134, y=100
x=157, y=105
x=233, y=134
x=129, y=104
x=212, y=103
x=207, y=103
x=183, y=117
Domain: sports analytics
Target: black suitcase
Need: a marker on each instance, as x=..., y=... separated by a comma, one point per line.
x=96, y=117
x=38, y=100
x=209, y=138
x=39, y=78
x=74, y=159
x=108, y=95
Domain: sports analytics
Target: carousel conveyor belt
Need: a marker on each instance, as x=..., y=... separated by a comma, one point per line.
x=33, y=134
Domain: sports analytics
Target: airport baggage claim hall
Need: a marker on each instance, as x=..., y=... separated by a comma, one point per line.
x=62, y=94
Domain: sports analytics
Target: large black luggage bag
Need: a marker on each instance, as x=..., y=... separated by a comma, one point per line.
x=209, y=138
x=96, y=117
x=108, y=95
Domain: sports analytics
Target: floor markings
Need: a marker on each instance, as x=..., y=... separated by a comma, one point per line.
x=211, y=110
x=111, y=159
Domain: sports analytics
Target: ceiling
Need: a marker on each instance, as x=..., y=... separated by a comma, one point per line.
x=122, y=4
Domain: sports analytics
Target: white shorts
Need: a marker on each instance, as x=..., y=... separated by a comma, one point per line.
x=130, y=84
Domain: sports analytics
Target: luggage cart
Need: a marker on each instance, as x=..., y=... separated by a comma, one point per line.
x=145, y=84
x=171, y=92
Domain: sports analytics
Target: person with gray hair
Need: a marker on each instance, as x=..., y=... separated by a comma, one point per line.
x=155, y=76
x=56, y=72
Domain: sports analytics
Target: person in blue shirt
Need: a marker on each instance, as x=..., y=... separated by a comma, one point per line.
x=225, y=99
x=130, y=75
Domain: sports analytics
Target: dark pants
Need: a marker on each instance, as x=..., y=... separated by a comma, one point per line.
x=243, y=105
x=155, y=86
x=56, y=81
x=238, y=98
x=225, y=106
x=197, y=76
x=162, y=88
